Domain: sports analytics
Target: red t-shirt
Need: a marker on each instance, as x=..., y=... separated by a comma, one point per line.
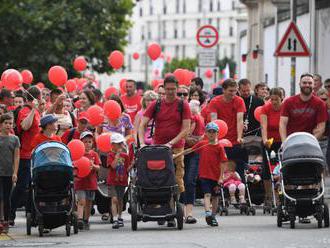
x=89, y=182
x=27, y=136
x=132, y=105
x=273, y=121
x=168, y=121
x=227, y=111
x=205, y=113
x=200, y=126
x=210, y=158
x=66, y=134
x=119, y=175
x=303, y=116
x=40, y=138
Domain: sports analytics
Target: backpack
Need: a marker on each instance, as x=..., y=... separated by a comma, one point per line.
x=16, y=113
x=70, y=136
x=157, y=109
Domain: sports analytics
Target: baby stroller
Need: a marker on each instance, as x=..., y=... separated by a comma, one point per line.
x=51, y=189
x=302, y=184
x=153, y=194
x=272, y=161
x=253, y=174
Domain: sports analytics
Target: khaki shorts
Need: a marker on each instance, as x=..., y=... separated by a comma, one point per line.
x=116, y=191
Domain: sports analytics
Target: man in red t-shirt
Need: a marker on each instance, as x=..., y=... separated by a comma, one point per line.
x=131, y=101
x=27, y=123
x=172, y=124
x=231, y=108
x=303, y=112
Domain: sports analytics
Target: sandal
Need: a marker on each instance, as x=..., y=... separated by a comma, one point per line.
x=190, y=220
x=214, y=222
x=105, y=217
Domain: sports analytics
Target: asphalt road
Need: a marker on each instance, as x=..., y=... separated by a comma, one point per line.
x=234, y=231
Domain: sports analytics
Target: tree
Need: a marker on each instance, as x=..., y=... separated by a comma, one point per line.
x=187, y=63
x=37, y=34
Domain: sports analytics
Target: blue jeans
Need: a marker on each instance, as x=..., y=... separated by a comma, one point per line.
x=191, y=162
x=20, y=192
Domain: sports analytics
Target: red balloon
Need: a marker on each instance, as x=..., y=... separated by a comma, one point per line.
x=83, y=166
x=122, y=85
x=77, y=149
x=116, y=59
x=103, y=142
x=112, y=110
x=13, y=79
x=80, y=63
x=154, y=50
x=225, y=143
x=223, y=128
x=208, y=73
x=71, y=85
x=95, y=115
x=40, y=85
x=57, y=75
x=27, y=76
x=110, y=91
x=155, y=83
x=257, y=113
x=182, y=75
x=136, y=56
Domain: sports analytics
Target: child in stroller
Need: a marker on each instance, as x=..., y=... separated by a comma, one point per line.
x=233, y=182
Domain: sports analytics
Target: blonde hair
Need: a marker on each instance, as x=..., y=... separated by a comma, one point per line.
x=321, y=92
x=147, y=96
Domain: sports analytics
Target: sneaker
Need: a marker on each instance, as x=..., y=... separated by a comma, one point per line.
x=214, y=221
x=190, y=220
x=86, y=225
x=171, y=223
x=11, y=223
x=120, y=222
x=80, y=224
x=208, y=219
x=115, y=224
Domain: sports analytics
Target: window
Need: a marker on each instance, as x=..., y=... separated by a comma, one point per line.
x=218, y=6
x=233, y=5
x=211, y=5
x=184, y=6
x=177, y=6
x=218, y=24
x=148, y=30
x=164, y=29
x=200, y=6
x=231, y=31
x=210, y=21
x=175, y=29
x=198, y=23
x=164, y=7
x=151, y=10
x=142, y=33
x=129, y=67
x=129, y=38
x=176, y=51
x=141, y=11
x=232, y=51
x=183, y=29
x=183, y=51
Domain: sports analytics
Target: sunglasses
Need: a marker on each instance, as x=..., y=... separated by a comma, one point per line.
x=327, y=86
x=182, y=94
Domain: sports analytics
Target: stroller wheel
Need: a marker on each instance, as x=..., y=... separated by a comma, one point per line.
x=92, y=211
x=326, y=215
x=75, y=223
x=292, y=222
x=68, y=229
x=28, y=223
x=253, y=211
x=41, y=230
x=134, y=217
x=226, y=211
x=179, y=215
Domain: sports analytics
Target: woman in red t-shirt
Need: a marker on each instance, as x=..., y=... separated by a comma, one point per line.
x=270, y=123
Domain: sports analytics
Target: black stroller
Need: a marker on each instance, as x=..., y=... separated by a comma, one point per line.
x=51, y=189
x=302, y=184
x=153, y=194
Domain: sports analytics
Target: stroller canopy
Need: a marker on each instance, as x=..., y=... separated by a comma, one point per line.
x=302, y=147
x=51, y=153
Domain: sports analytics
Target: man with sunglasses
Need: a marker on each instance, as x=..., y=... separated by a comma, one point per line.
x=183, y=92
x=304, y=112
x=172, y=124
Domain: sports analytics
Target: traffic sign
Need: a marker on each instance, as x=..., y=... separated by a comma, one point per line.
x=292, y=44
x=207, y=57
x=207, y=36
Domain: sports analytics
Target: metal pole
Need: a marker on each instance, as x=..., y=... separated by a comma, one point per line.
x=293, y=8
x=276, y=42
x=146, y=64
x=312, y=36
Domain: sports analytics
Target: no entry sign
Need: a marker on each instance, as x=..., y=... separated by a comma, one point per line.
x=207, y=36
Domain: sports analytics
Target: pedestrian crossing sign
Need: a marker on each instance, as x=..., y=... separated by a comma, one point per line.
x=292, y=44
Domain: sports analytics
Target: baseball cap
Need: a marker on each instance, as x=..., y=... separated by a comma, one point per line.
x=47, y=119
x=117, y=138
x=212, y=126
x=85, y=134
x=83, y=116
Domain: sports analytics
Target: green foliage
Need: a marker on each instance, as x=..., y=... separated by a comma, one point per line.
x=187, y=63
x=36, y=34
x=232, y=65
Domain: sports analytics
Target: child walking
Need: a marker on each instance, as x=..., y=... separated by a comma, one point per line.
x=85, y=187
x=212, y=157
x=9, y=161
x=233, y=181
x=117, y=180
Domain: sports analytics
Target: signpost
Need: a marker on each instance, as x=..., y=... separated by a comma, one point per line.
x=207, y=37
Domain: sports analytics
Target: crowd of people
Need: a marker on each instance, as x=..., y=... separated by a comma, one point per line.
x=174, y=115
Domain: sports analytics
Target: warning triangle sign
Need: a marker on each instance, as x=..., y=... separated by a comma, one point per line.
x=292, y=44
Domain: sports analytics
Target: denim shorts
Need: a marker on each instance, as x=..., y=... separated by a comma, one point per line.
x=208, y=185
x=85, y=195
x=116, y=191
